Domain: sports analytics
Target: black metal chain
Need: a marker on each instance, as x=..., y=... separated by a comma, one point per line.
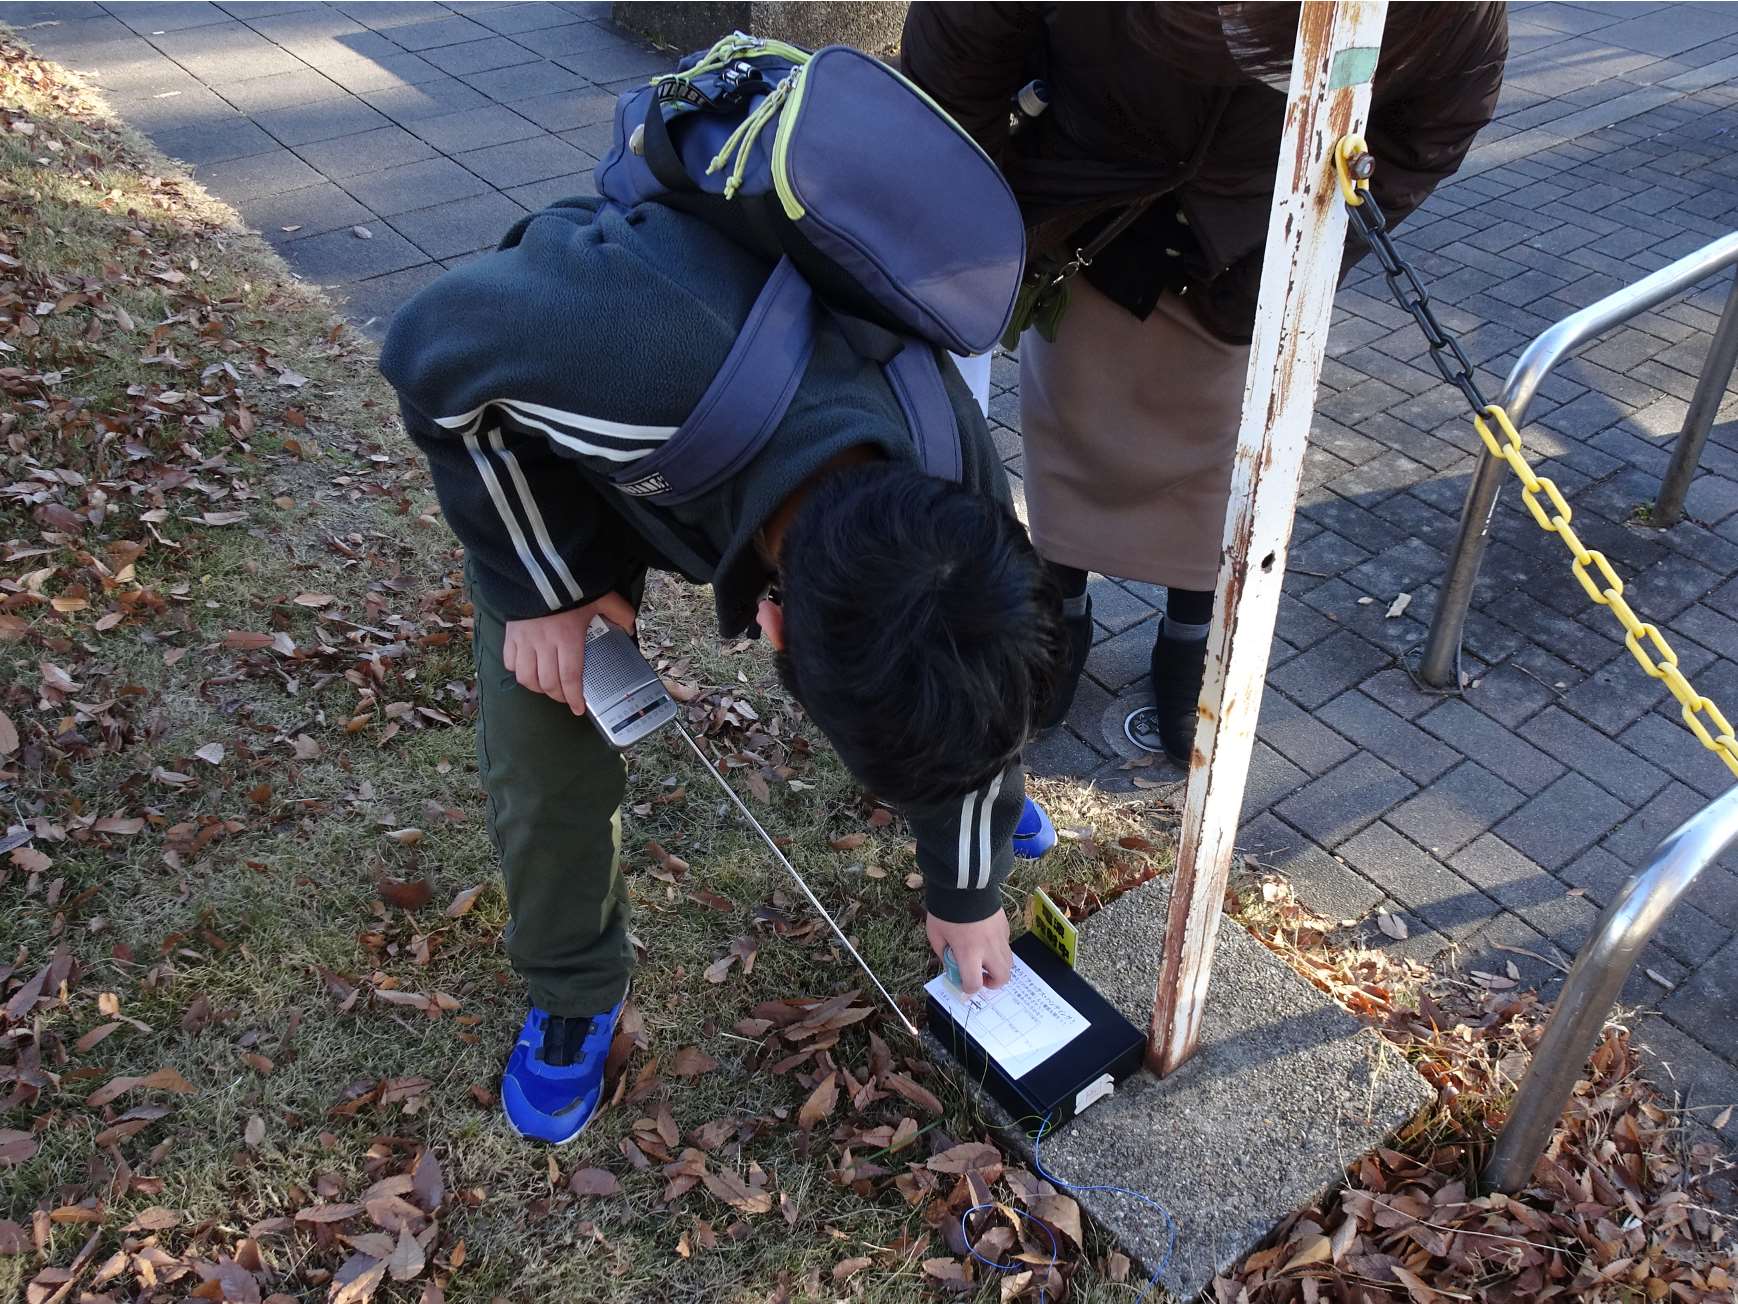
x=1372, y=224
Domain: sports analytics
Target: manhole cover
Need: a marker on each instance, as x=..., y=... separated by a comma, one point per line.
x=1141, y=727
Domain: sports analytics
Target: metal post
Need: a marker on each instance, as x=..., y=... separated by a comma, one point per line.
x=1704, y=404
x=1329, y=97
x=1593, y=985
x=1442, y=648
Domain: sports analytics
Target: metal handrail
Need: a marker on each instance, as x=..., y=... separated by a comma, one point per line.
x=1593, y=984
x=1440, y=666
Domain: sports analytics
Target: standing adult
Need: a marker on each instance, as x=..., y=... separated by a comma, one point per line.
x=1156, y=158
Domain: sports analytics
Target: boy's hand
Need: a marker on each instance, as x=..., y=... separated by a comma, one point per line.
x=981, y=950
x=547, y=654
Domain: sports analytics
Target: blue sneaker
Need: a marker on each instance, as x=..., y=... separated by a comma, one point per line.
x=1034, y=834
x=554, y=1079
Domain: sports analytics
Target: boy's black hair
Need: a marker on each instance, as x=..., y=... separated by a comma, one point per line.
x=923, y=634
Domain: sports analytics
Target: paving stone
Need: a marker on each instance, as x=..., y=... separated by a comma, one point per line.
x=1299, y=736
x=456, y=133
x=479, y=56
x=1442, y=899
x=1382, y=733
x=521, y=162
x=574, y=38
x=282, y=90
x=1345, y=799
x=189, y=109
x=385, y=73
x=1503, y=873
x=1509, y=692
x=526, y=80
x=1395, y=689
x=465, y=225
x=1114, y=607
x=1323, y=883
x=226, y=52
x=1701, y=1081
x=368, y=151
x=1668, y=745
x=1058, y=753
x=1326, y=670
x=1561, y=822
x=435, y=32
x=415, y=185
x=1453, y=810
x=1687, y=931
x=607, y=65
x=306, y=124
x=258, y=176
x=369, y=304
x=385, y=17
x=213, y=142
x=1272, y=778
x=312, y=210
x=339, y=257
x=429, y=99
x=508, y=19
x=1297, y=623
x=1508, y=940
x=1122, y=659
x=1619, y=770
x=170, y=17
x=1707, y=1004
x=1477, y=735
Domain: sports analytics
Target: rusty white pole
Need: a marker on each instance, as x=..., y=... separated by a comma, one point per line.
x=1335, y=56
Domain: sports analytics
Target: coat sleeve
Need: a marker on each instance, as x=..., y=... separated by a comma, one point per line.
x=540, y=535
x=965, y=847
x=971, y=58
x=1422, y=134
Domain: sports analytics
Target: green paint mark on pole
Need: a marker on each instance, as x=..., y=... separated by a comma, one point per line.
x=1352, y=66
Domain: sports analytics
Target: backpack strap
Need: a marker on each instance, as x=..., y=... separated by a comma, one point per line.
x=744, y=403
x=929, y=414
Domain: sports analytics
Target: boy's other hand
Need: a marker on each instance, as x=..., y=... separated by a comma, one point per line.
x=981, y=950
x=547, y=654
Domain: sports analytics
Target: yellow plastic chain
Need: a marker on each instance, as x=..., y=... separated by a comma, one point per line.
x=1351, y=170
x=1636, y=632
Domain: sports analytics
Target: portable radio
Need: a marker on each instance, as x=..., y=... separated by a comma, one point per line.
x=623, y=695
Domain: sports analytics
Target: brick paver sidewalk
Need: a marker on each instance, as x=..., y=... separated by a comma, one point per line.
x=1503, y=818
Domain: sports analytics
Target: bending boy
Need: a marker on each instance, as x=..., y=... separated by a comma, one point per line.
x=915, y=625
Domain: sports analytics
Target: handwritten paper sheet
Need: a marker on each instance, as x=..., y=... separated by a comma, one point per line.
x=1019, y=1025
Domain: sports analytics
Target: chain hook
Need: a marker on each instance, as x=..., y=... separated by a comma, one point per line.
x=1354, y=165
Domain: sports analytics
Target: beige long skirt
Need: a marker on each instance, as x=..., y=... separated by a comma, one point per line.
x=1130, y=427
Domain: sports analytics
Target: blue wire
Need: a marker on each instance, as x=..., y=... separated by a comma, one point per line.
x=1055, y=1254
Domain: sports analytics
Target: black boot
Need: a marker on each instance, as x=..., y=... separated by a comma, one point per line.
x=1078, y=630
x=1178, y=668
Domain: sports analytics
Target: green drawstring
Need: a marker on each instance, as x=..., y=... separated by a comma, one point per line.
x=747, y=132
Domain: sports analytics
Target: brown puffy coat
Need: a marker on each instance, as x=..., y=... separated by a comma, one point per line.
x=1124, y=122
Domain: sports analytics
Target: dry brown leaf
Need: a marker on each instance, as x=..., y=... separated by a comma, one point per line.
x=405, y=837
x=463, y=902
x=846, y=1269
x=730, y=1188
x=594, y=1181
x=407, y=1259
x=254, y=1135
x=968, y=1156
x=30, y=860
x=357, y=1280
x=16, y=1147
x=920, y=1096
x=1392, y=925
x=691, y=1062
x=211, y=753
x=413, y=894
x=849, y=841
x=8, y=735
x=820, y=1104
x=1722, y=1118
x=1314, y=1249
x=327, y=1213
x=950, y=1273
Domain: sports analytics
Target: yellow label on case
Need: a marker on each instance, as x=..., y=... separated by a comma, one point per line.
x=1053, y=927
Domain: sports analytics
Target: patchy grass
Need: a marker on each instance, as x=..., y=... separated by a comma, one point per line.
x=253, y=1002
x=234, y=654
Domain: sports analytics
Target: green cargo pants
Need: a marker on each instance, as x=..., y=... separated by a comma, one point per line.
x=554, y=791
